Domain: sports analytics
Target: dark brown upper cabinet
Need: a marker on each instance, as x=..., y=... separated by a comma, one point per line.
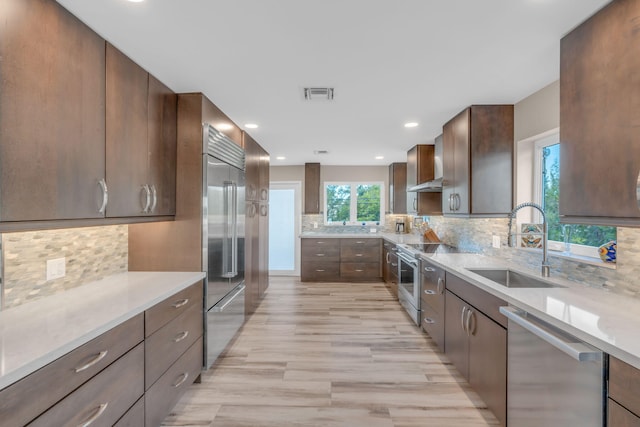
x=600, y=118
x=52, y=114
x=420, y=169
x=140, y=140
x=478, y=162
x=312, y=188
x=398, y=188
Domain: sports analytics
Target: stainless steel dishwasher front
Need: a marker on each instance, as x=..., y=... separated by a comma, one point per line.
x=554, y=379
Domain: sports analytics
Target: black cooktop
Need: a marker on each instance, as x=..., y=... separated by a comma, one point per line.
x=431, y=248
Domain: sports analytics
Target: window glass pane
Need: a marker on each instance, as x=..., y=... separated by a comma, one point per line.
x=338, y=202
x=589, y=235
x=368, y=202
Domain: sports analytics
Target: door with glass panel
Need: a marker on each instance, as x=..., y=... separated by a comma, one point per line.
x=284, y=228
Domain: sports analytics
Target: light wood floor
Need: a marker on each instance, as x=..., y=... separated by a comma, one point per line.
x=331, y=354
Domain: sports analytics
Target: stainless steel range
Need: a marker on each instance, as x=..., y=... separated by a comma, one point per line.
x=409, y=274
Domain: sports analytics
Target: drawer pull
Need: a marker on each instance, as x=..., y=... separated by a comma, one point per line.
x=319, y=271
x=320, y=243
x=429, y=269
x=181, y=336
x=99, y=411
x=393, y=264
x=359, y=271
x=319, y=254
x=429, y=292
x=180, y=303
x=181, y=381
x=429, y=320
x=440, y=286
x=93, y=361
x=360, y=242
x=359, y=254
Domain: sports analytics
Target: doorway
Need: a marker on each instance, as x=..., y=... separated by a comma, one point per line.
x=285, y=213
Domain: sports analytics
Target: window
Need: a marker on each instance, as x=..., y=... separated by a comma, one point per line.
x=353, y=203
x=574, y=238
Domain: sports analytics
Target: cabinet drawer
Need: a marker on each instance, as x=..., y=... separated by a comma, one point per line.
x=320, y=271
x=360, y=243
x=360, y=271
x=167, y=344
x=360, y=254
x=432, y=323
x=24, y=400
x=432, y=281
x=483, y=301
x=165, y=393
x=321, y=250
x=624, y=383
x=134, y=416
x=618, y=416
x=105, y=398
x=167, y=310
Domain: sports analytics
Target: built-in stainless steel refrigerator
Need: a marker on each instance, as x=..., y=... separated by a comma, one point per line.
x=223, y=240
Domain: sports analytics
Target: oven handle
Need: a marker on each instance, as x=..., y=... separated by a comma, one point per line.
x=577, y=350
x=412, y=262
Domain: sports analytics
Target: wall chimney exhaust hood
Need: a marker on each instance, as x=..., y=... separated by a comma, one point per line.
x=435, y=185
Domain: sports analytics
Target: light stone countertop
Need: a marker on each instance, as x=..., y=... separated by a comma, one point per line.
x=391, y=237
x=608, y=321
x=37, y=333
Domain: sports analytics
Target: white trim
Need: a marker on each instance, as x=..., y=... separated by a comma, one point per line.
x=296, y=186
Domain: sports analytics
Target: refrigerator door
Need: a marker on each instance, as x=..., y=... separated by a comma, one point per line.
x=238, y=180
x=223, y=322
x=219, y=230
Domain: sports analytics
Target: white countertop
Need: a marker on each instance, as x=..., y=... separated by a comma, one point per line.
x=37, y=333
x=608, y=321
x=392, y=237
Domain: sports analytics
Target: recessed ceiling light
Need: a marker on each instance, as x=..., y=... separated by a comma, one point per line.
x=379, y=157
x=251, y=126
x=411, y=125
x=280, y=158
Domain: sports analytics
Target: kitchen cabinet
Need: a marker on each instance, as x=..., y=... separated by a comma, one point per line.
x=398, y=188
x=420, y=169
x=475, y=341
x=334, y=260
x=623, y=403
x=140, y=140
x=478, y=161
x=433, y=282
x=360, y=260
x=312, y=188
x=599, y=118
x=52, y=114
x=389, y=270
x=320, y=260
x=256, y=222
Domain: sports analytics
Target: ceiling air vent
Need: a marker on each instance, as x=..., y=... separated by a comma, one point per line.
x=318, y=93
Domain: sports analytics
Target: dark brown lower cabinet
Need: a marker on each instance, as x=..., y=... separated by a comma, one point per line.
x=618, y=416
x=333, y=260
x=477, y=346
x=624, y=403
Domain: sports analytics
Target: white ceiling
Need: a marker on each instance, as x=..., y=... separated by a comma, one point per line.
x=390, y=62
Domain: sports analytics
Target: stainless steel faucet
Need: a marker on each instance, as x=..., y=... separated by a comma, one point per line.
x=546, y=267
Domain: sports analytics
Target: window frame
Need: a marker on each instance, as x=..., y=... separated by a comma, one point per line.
x=353, y=204
x=571, y=249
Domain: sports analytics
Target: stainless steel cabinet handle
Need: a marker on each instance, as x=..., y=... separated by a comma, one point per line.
x=394, y=264
x=320, y=271
x=319, y=254
x=415, y=203
x=93, y=361
x=458, y=201
x=320, y=242
x=99, y=411
x=429, y=320
x=182, y=335
x=147, y=203
x=462, y=318
x=359, y=243
x=180, y=303
x=429, y=292
x=263, y=210
x=387, y=258
x=181, y=381
x=154, y=196
x=577, y=350
x=105, y=196
x=440, y=287
x=359, y=271
x=359, y=254
x=471, y=323
x=429, y=269
x=263, y=194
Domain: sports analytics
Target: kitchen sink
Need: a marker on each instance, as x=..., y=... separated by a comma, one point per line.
x=513, y=279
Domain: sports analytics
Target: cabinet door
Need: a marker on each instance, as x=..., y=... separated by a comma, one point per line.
x=126, y=136
x=462, y=165
x=252, y=256
x=600, y=116
x=398, y=188
x=263, y=242
x=162, y=145
x=51, y=113
x=312, y=188
x=448, y=168
x=264, y=176
x=488, y=363
x=456, y=342
x=412, y=180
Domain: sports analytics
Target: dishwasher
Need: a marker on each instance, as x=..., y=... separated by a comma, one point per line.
x=554, y=379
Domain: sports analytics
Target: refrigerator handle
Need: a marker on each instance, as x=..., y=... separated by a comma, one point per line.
x=234, y=228
x=227, y=239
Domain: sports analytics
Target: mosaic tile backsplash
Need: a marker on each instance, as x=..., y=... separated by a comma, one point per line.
x=91, y=253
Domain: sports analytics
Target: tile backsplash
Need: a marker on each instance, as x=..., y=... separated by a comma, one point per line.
x=91, y=253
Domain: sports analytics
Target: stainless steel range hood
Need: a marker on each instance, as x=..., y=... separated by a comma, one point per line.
x=435, y=185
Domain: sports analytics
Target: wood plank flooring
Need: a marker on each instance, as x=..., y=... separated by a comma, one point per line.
x=331, y=354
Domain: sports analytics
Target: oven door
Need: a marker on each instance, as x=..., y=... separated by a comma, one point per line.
x=408, y=285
